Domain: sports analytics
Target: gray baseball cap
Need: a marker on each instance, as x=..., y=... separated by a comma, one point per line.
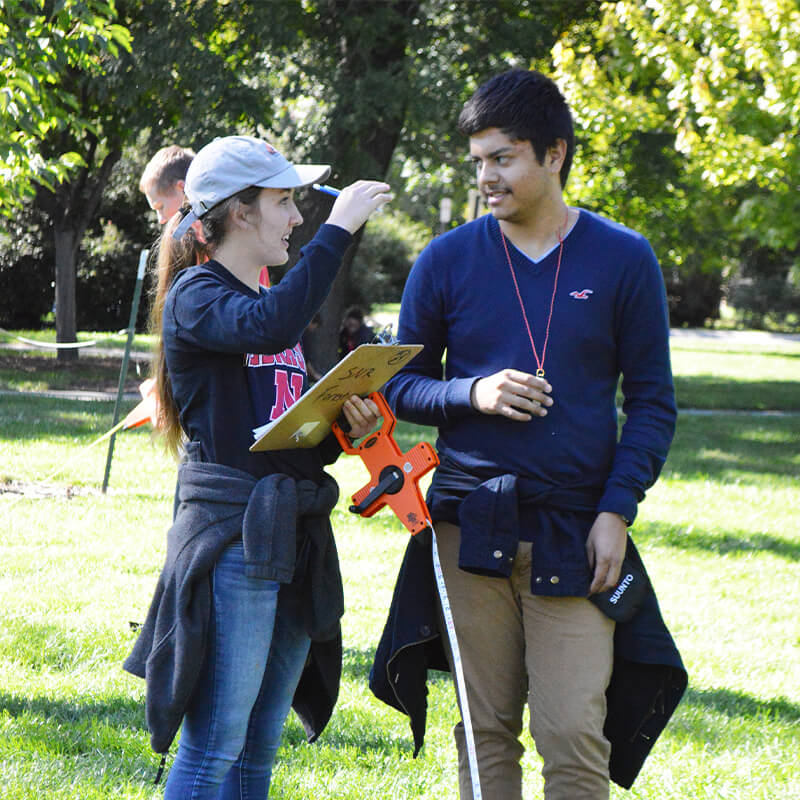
x=232, y=163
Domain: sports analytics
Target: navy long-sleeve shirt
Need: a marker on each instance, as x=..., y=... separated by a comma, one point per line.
x=609, y=318
x=234, y=357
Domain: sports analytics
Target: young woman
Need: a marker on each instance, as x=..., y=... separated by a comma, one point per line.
x=245, y=619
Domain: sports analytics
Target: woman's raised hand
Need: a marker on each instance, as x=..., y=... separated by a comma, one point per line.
x=356, y=202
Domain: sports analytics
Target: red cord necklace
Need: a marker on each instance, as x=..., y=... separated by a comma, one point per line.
x=539, y=361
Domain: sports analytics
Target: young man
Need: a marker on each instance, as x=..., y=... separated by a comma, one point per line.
x=163, y=180
x=540, y=307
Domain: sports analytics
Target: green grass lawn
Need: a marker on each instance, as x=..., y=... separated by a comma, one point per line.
x=39, y=370
x=720, y=374
x=720, y=534
x=709, y=373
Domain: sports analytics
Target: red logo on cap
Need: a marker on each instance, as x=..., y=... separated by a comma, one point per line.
x=271, y=149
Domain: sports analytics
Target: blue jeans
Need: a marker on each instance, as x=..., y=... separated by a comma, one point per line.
x=232, y=726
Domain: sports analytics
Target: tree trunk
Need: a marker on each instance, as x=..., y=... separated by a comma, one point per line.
x=363, y=132
x=66, y=248
x=71, y=208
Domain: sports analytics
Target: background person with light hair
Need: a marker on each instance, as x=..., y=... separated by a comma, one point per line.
x=163, y=180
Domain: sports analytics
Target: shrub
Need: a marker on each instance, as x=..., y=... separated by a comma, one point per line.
x=106, y=279
x=26, y=269
x=767, y=285
x=388, y=249
x=693, y=296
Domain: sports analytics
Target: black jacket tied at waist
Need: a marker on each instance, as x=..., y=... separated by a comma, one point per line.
x=285, y=528
x=495, y=512
x=648, y=678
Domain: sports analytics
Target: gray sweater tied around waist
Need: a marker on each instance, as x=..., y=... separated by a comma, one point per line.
x=285, y=528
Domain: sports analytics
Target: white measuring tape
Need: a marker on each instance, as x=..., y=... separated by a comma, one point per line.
x=461, y=686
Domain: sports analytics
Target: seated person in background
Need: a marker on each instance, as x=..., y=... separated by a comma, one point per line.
x=354, y=331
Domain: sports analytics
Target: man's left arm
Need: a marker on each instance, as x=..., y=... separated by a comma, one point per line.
x=642, y=332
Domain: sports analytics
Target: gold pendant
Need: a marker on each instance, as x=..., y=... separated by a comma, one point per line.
x=540, y=373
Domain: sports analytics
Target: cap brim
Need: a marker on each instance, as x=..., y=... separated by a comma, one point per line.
x=184, y=225
x=296, y=175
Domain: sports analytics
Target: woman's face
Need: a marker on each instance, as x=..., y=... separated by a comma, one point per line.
x=278, y=215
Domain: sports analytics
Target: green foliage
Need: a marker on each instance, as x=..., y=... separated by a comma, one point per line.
x=26, y=269
x=41, y=43
x=686, y=113
x=106, y=279
x=108, y=257
x=717, y=85
x=389, y=247
x=109, y=254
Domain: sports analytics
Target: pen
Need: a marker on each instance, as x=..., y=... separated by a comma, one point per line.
x=326, y=189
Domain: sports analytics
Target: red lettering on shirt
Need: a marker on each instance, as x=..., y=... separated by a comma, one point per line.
x=285, y=396
x=286, y=358
x=259, y=360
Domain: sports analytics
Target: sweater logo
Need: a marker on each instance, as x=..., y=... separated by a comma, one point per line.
x=583, y=294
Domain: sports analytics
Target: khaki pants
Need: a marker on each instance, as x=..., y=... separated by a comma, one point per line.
x=556, y=650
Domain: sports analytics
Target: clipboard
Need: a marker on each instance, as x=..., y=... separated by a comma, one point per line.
x=308, y=421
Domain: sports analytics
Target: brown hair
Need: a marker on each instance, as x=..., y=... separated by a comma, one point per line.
x=173, y=256
x=166, y=168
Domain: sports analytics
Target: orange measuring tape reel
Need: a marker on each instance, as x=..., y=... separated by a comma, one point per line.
x=394, y=475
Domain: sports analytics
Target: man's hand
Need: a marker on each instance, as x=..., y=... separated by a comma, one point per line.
x=362, y=414
x=513, y=394
x=605, y=547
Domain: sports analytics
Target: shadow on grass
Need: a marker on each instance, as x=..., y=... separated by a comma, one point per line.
x=102, y=744
x=53, y=647
x=356, y=665
x=715, y=353
x=725, y=543
x=719, y=392
x=357, y=730
x=119, y=711
x=733, y=447
x=40, y=417
x=735, y=704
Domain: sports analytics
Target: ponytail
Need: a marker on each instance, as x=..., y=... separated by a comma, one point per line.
x=173, y=256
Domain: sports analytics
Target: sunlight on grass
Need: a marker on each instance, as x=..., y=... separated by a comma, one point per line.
x=719, y=533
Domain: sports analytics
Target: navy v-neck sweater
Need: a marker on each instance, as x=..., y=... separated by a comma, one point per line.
x=609, y=319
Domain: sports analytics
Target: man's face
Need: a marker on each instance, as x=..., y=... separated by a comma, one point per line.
x=165, y=204
x=512, y=181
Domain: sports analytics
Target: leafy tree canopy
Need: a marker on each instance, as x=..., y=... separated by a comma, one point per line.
x=720, y=79
x=40, y=43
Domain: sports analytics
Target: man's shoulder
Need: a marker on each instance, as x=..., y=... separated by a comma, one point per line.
x=468, y=231
x=613, y=233
x=460, y=241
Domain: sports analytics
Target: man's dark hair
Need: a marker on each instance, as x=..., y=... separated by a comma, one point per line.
x=524, y=104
